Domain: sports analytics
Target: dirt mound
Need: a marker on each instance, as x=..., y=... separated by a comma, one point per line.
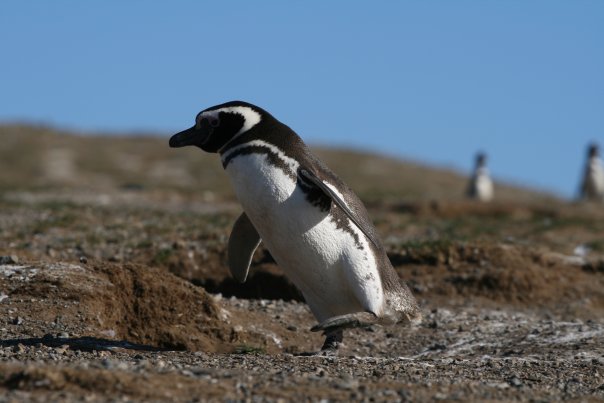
x=129, y=302
x=501, y=273
x=148, y=306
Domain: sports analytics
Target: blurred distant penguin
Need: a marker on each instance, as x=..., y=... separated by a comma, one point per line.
x=314, y=226
x=481, y=185
x=592, y=186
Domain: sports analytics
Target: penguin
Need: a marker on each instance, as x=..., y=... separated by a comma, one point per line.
x=481, y=186
x=592, y=186
x=311, y=222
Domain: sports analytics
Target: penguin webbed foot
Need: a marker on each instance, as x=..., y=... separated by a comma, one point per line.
x=351, y=320
x=332, y=343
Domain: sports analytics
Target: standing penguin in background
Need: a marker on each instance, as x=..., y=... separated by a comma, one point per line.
x=481, y=185
x=314, y=226
x=592, y=186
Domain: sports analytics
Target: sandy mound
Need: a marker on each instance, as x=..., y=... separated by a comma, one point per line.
x=141, y=305
x=501, y=273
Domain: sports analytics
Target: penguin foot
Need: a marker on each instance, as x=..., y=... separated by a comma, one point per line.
x=358, y=319
x=333, y=340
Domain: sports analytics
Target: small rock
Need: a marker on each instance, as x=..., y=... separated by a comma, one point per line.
x=514, y=381
x=18, y=320
x=348, y=384
x=19, y=348
x=62, y=349
x=63, y=335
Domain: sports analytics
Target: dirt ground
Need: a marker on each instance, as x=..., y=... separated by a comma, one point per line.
x=117, y=289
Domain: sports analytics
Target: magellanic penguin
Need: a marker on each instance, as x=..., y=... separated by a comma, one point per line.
x=314, y=226
x=481, y=186
x=592, y=186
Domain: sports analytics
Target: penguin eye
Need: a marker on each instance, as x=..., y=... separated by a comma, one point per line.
x=214, y=122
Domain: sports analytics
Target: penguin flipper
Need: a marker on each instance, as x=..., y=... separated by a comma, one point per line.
x=243, y=241
x=337, y=199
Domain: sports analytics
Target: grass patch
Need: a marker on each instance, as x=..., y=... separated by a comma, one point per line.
x=596, y=246
x=162, y=256
x=429, y=244
x=146, y=244
x=247, y=349
x=56, y=221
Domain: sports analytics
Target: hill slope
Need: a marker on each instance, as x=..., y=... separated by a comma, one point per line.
x=43, y=158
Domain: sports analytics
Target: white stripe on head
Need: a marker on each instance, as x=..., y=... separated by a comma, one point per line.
x=250, y=117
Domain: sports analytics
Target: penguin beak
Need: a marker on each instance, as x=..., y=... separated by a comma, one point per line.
x=193, y=136
x=184, y=138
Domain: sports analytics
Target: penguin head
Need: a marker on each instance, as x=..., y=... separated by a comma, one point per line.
x=218, y=125
x=481, y=159
x=593, y=151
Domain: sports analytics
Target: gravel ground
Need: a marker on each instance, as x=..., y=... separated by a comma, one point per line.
x=458, y=353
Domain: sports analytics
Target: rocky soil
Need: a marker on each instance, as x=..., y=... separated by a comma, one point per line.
x=116, y=289
x=173, y=341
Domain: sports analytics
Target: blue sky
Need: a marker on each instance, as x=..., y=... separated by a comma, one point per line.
x=432, y=81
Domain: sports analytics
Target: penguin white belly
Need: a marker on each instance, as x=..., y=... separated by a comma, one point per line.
x=335, y=276
x=484, y=188
x=595, y=181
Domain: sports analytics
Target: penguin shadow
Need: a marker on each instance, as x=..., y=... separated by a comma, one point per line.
x=259, y=285
x=79, y=343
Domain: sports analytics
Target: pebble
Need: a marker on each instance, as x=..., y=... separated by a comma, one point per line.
x=62, y=349
x=19, y=348
x=514, y=381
